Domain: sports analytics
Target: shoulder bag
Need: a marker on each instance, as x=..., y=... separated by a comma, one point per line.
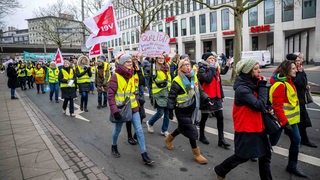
x=308, y=97
x=125, y=111
x=271, y=123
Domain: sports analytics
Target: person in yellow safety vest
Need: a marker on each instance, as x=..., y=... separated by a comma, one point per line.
x=92, y=78
x=83, y=73
x=161, y=82
x=284, y=99
x=22, y=76
x=39, y=76
x=140, y=84
x=174, y=65
x=30, y=80
x=52, y=79
x=67, y=79
x=101, y=81
x=122, y=86
x=184, y=97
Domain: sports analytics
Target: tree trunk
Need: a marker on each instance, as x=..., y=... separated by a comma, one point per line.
x=237, y=41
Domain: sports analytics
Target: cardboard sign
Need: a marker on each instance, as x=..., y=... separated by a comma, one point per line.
x=154, y=44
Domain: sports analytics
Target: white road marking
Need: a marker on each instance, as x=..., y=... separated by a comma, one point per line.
x=76, y=112
x=276, y=149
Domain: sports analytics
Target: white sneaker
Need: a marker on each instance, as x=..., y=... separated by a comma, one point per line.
x=166, y=133
x=149, y=127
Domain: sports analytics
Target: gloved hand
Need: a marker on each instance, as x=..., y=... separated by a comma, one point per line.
x=287, y=129
x=117, y=116
x=170, y=113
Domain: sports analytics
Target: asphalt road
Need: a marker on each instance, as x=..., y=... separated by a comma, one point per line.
x=93, y=138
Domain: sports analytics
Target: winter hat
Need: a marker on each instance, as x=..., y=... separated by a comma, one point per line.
x=206, y=55
x=101, y=58
x=123, y=58
x=291, y=57
x=245, y=65
x=184, y=56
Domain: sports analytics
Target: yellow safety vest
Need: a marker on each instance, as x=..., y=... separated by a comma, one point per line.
x=53, y=75
x=67, y=75
x=161, y=76
x=291, y=109
x=21, y=73
x=29, y=71
x=39, y=72
x=183, y=99
x=125, y=90
x=83, y=79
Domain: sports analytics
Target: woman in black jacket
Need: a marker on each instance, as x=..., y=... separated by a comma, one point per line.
x=12, y=79
x=184, y=97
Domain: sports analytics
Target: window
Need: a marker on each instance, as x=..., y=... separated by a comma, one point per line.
x=192, y=25
x=167, y=11
x=188, y=5
x=160, y=28
x=225, y=19
x=137, y=36
x=194, y=5
x=175, y=28
x=287, y=10
x=171, y=10
x=208, y=2
x=128, y=38
x=183, y=27
x=182, y=7
x=132, y=37
x=268, y=11
x=308, y=9
x=223, y=1
x=201, y=5
x=162, y=14
x=154, y=28
x=177, y=8
x=213, y=21
x=253, y=16
x=123, y=38
x=168, y=28
x=202, y=23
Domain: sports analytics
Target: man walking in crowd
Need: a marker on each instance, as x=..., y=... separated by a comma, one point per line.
x=101, y=81
x=53, y=80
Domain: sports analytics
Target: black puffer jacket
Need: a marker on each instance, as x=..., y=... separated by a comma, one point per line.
x=185, y=125
x=12, y=76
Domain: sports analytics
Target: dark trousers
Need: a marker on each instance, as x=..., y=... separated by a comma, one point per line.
x=71, y=105
x=84, y=99
x=105, y=97
x=192, y=142
x=233, y=161
x=219, y=116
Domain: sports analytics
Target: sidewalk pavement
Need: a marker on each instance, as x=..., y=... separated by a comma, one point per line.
x=26, y=151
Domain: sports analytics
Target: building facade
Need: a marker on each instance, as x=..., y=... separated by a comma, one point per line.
x=15, y=36
x=280, y=26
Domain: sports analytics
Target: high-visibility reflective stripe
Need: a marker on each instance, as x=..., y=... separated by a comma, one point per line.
x=67, y=75
x=125, y=89
x=83, y=79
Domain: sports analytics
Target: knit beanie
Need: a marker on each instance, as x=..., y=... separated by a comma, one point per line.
x=245, y=65
x=184, y=56
x=291, y=57
x=123, y=58
x=101, y=58
x=206, y=55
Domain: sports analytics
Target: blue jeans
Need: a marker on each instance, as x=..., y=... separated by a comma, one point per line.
x=54, y=88
x=91, y=86
x=146, y=79
x=71, y=105
x=137, y=128
x=84, y=99
x=12, y=91
x=157, y=115
x=40, y=86
x=105, y=97
x=294, y=148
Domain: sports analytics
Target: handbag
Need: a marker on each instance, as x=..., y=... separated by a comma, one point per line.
x=125, y=111
x=271, y=123
x=308, y=97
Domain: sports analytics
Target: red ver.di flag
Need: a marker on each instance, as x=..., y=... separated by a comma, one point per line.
x=103, y=26
x=59, y=58
x=95, y=51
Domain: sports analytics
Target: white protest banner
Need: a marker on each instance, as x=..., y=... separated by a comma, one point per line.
x=59, y=58
x=103, y=26
x=95, y=51
x=154, y=44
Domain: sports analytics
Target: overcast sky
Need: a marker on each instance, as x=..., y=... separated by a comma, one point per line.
x=18, y=19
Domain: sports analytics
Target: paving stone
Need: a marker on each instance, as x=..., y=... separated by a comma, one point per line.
x=75, y=168
x=33, y=159
x=102, y=176
x=89, y=164
x=8, y=152
x=4, y=125
x=58, y=175
x=76, y=159
x=5, y=132
x=79, y=174
x=14, y=174
x=96, y=170
x=81, y=164
x=87, y=171
x=91, y=176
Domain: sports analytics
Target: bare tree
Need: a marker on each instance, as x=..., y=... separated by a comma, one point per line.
x=57, y=24
x=239, y=8
x=8, y=7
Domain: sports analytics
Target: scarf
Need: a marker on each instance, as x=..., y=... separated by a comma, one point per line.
x=277, y=77
x=123, y=71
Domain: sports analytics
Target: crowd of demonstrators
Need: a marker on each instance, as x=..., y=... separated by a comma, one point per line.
x=39, y=75
x=12, y=79
x=122, y=85
x=184, y=97
x=250, y=140
x=83, y=73
x=285, y=102
x=210, y=80
x=53, y=80
x=301, y=84
x=103, y=75
x=160, y=87
x=67, y=79
x=140, y=84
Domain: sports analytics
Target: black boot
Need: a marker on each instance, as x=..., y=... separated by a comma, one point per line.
x=13, y=97
x=85, y=107
x=81, y=106
x=99, y=105
x=104, y=104
x=292, y=165
x=203, y=139
x=146, y=159
x=221, y=143
x=114, y=151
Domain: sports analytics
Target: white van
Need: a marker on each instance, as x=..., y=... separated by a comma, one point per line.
x=263, y=57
